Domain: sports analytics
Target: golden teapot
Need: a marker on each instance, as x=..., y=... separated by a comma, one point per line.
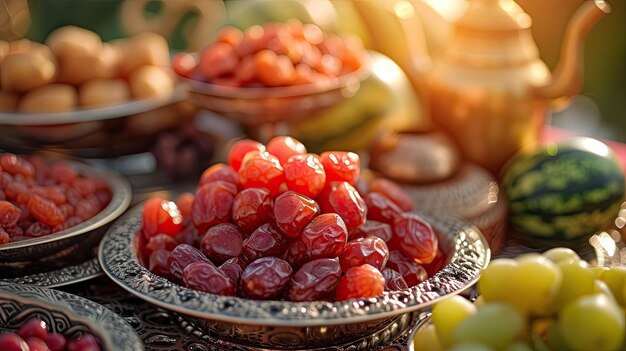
x=487, y=86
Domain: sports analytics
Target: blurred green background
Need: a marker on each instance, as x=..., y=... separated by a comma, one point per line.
x=601, y=112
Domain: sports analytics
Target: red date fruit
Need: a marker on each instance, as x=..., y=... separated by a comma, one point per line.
x=219, y=171
x=437, y=264
x=45, y=211
x=9, y=214
x=183, y=64
x=283, y=147
x=54, y=194
x=62, y=173
x=37, y=229
x=55, y=341
x=293, y=212
x=203, y=276
x=85, y=342
x=265, y=278
x=160, y=241
x=182, y=256
x=157, y=263
x=239, y=149
x=412, y=272
x=221, y=242
x=393, y=280
x=252, y=208
x=89, y=207
x=13, y=164
x=343, y=199
x=370, y=250
x=393, y=192
x=263, y=242
x=160, y=216
x=4, y=236
x=12, y=342
x=373, y=228
x=84, y=185
x=324, y=237
x=262, y=170
x=360, y=282
x=36, y=344
x=233, y=268
x=380, y=208
x=189, y=236
x=341, y=166
x=213, y=204
x=184, y=203
x=315, y=281
x=35, y=327
x=305, y=174
x=415, y=237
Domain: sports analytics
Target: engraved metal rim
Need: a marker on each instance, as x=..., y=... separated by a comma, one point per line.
x=64, y=276
x=348, y=79
x=114, y=332
x=121, y=195
x=469, y=257
x=91, y=114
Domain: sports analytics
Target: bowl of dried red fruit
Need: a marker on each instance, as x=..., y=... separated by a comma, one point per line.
x=34, y=318
x=284, y=249
x=273, y=73
x=54, y=211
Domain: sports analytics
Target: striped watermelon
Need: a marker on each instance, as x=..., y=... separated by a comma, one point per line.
x=564, y=191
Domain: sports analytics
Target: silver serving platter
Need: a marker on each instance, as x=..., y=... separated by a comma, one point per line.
x=65, y=313
x=73, y=245
x=60, y=277
x=289, y=325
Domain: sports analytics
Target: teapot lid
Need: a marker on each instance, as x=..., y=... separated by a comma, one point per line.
x=494, y=15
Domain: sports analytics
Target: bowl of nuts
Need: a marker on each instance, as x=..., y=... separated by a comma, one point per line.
x=54, y=211
x=284, y=249
x=87, y=97
x=273, y=73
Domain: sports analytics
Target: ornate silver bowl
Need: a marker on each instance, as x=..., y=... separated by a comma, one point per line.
x=73, y=245
x=67, y=314
x=288, y=325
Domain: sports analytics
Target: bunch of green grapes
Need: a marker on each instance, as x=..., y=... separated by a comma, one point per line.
x=549, y=302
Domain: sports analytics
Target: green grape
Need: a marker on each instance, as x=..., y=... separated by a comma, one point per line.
x=496, y=325
x=426, y=339
x=577, y=281
x=592, y=322
x=600, y=287
x=535, y=284
x=559, y=254
x=470, y=346
x=615, y=278
x=598, y=271
x=555, y=339
x=448, y=313
x=518, y=346
x=493, y=282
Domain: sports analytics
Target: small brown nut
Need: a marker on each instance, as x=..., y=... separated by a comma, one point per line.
x=144, y=49
x=8, y=102
x=80, y=68
x=103, y=92
x=70, y=40
x=49, y=98
x=151, y=81
x=25, y=45
x=24, y=71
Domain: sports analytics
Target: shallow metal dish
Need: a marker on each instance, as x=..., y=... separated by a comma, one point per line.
x=95, y=132
x=65, y=313
x=289, y=325
x=73, y=245
x=253, y=106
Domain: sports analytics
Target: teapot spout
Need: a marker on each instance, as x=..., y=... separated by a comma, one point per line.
x=568, y=75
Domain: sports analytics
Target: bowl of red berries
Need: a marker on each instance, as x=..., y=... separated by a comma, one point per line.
x=54, y=211
x=273, y=73
x=40, y=319
x=284, y=249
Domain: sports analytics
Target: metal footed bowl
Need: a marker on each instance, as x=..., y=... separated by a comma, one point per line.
x=289, y=325
x=93, y=132
x=67, y=314
x=73, y=245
